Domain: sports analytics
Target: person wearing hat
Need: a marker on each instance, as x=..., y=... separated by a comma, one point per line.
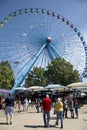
x=59, y=111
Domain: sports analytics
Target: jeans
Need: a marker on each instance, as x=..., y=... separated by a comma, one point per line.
x=46, y=118
x=72, y=112
x=60, y=117
x=65, y=112
x=76, y=110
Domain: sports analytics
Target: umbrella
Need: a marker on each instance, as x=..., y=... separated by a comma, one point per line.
x=34, y=88
x=77, y=85
x=19, y=88
x=55, y=86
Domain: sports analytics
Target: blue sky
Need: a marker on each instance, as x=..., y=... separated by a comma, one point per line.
x=74, y=10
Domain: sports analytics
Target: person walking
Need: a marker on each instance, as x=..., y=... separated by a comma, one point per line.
x=76, y=108
x=19, y=105
x=0, y=103
x=59, y=111
x=25, y=104
x=65, y=107
x=46, y=105
x=37, y=104
x=9, y=107
x=71, y=106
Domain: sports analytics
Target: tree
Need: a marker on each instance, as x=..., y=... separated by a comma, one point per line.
x=6, y=75
x=58, y=71
x=36, y=77
x=61, y=72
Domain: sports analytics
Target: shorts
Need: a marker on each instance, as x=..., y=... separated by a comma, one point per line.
x=9, y=110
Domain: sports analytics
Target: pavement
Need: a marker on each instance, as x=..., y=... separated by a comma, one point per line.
x=31, y=120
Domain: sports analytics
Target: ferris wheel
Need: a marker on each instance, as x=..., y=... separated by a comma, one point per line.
x=34, y=37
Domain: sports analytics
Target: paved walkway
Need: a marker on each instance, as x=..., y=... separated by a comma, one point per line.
x=31, y=120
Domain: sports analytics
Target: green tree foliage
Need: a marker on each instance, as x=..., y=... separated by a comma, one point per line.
x=36, y=77
x=61, y=72
x=58, y=71
x=6, y=75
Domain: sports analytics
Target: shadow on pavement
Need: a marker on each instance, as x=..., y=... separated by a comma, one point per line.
x=2, y=123
x=85, y=120
x=37, y=126
x=33, y=126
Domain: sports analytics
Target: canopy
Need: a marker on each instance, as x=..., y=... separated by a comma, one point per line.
x=55, y=87
x=77, y=85
x=4, y=91
x=34, y=88
x=19, y=88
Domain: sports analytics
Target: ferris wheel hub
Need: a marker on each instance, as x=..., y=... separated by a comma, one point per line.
x=48, y=39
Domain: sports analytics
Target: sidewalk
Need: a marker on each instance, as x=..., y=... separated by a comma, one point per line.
x=31, y=120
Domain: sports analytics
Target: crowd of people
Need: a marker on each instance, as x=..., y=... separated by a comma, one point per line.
x=60, y=107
